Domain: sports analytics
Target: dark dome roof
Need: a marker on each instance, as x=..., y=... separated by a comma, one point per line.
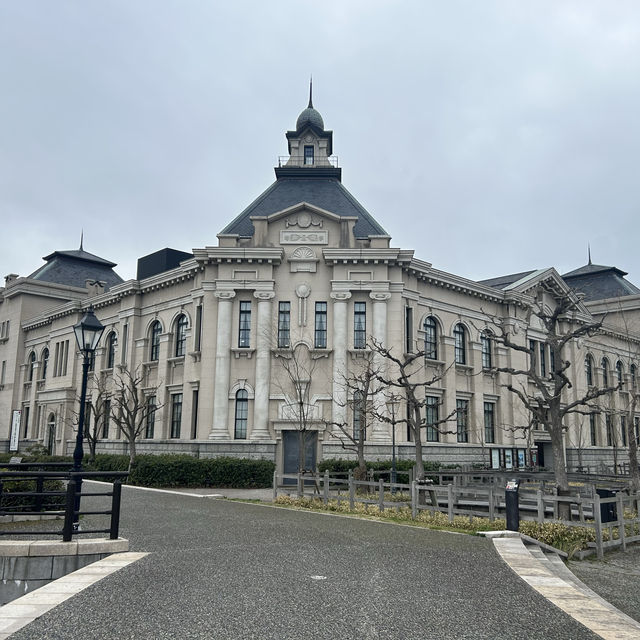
x=309, y=117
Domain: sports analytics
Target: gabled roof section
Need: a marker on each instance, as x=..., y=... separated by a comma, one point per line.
x=504, y=281
x=73, y=268
x=326, y=193
x=599, y=282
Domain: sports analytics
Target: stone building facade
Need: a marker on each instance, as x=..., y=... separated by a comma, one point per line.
x=304, y=272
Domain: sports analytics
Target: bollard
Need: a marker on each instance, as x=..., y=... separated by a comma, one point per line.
x=511, y=496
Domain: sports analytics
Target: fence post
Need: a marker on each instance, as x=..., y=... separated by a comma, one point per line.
x=450, y=501
x=622, y=532
x=381, y=494
x=540, y=499
x=39, y=490
x=414, y=499
x=597, y=517
x=412, y=474
x=67, y=529
x=352, y=491
x=115, y=510
x=275, y=485
x=492, y=513
x=326, y=487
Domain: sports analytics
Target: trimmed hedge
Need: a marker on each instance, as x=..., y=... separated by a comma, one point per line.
x=186, y=471
x=177, y=470
x=14, y=502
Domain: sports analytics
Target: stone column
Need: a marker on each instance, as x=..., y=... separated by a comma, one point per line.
x=220, y=430
x=260, y=429
x=339, y=405
x=379, y=430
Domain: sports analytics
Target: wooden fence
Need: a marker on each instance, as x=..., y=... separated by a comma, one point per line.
x=538, y=502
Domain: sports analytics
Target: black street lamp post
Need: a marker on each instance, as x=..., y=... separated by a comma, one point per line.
x=88, y=333
x=391, y=406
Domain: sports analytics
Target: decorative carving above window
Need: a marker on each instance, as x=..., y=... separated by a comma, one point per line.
x=303, y=259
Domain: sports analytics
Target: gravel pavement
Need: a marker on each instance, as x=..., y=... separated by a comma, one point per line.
x=229, y=570
x=616, y=578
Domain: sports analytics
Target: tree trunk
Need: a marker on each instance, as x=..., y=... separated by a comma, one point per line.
x=132, y=453
x=560, y=469
x=301, y=443
x=361, y=471
x=634, y=471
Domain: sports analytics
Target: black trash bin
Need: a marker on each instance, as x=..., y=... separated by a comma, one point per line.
x=608, y=511
x=511, y=503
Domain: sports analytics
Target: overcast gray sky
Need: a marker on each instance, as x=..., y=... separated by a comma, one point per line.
x=490, y=137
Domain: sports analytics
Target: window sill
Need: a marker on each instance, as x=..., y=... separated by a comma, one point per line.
x=464, y=368
x=151, y=364
x=175, y=361
x=5, y=339
x=433, y=362
x=196, y=355
x=359, y=353
x=243, y=352
x=317, y=353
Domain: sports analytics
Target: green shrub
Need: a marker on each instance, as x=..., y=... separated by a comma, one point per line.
x=559, y=536
x=180, y=470
x=12, y=500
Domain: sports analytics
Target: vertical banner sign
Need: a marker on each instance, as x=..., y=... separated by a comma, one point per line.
x=15, y=430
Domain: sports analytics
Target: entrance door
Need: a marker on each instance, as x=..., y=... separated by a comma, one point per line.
x=291, y=447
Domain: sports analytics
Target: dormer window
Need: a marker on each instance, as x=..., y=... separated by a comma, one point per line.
x=308, y=154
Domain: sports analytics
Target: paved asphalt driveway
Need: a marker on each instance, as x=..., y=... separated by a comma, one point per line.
x=226, y=570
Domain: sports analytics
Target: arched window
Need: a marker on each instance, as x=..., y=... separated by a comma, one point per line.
x=32, y=365
x=632, y=371
x=112, y=342
x=460, y=344
x=181, y=336
x=588, y=369
x=358, y=415
x=51, y=433
x=487, y=351
x=605, y=372
x=242, y=412
x=619, y=372
x=154, y=351
x=45, y=362
x=430, y=338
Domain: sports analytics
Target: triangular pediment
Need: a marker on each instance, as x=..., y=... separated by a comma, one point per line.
x=310, y=210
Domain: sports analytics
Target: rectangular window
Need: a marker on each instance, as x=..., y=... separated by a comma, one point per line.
x=609, y=427
x=3, y=372
x=532, y=355
x=431, y=406
x=244, y=332
x=359, y=325
x=623, y=430
x=489, y=422
x=552, y=361
x=65, y=357
x=308, y=154
x=593, y=429
x=242, y=415
x=194, y=414
x=176, y=414
x=462, y=420
x=284, y=324
x=106, y=418
x=198, y=327
x=151, y=417
x=543, y=360
x=320, y=340
x=56, y=361
x=25, y=421
x=123, y=348
x=408, y=330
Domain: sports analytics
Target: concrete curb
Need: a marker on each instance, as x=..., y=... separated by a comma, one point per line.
x=22, y=611
x=574, y=598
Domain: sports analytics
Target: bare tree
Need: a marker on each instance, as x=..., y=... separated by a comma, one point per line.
x=297, y=367
x=363, y=398
x=130, y=406
x=406, y=376
x=544, y=396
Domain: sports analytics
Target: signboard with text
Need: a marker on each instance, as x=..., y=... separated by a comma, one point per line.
x=15, y=430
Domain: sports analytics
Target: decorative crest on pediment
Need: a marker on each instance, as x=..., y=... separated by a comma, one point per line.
x=303, y=259
x=304, y=220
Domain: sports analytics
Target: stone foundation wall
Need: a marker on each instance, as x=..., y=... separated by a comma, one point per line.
x=27, y=565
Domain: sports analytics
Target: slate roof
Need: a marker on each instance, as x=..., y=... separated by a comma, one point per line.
x=599, y=282
x=504, y=281
x=309, y=186
x=75, y=267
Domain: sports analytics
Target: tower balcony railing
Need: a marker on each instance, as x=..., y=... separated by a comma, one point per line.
x=301, y=161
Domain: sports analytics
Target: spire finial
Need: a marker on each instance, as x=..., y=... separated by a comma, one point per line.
x=589, y=249
x=81, y=239
x=310, y=92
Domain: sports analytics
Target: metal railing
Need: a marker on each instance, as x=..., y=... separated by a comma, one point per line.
x=298, y=160
x=58, y=503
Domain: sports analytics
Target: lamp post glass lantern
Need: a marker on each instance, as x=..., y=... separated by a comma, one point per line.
x=88, y=333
